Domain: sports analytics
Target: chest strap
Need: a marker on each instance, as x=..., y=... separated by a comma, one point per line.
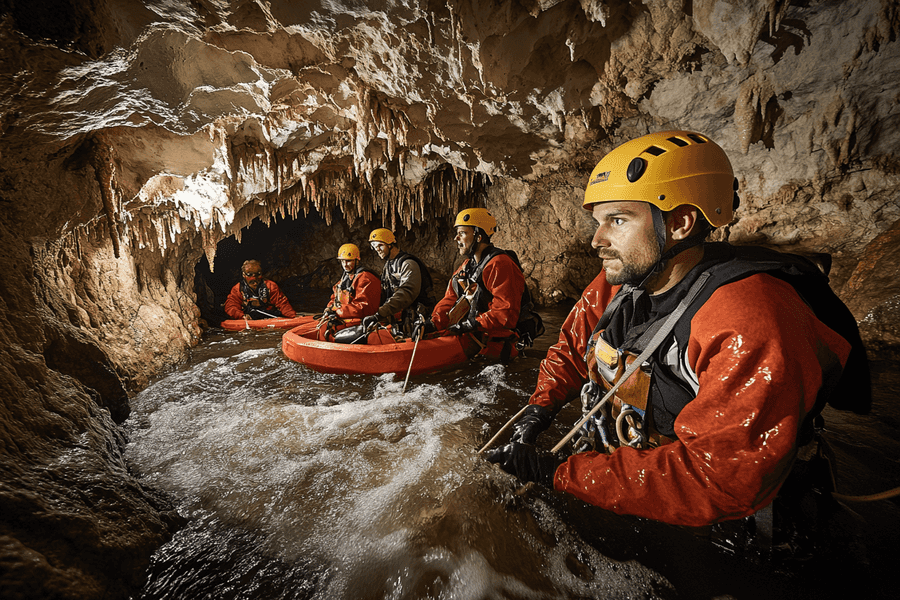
x=658, y=337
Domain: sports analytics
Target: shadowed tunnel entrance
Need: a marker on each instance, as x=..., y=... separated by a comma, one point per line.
x=292, y=255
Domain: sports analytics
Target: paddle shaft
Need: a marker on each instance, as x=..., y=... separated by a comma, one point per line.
x=412, y=358
x=504, y=428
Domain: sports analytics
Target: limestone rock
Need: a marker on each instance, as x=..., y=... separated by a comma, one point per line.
x=874, y=292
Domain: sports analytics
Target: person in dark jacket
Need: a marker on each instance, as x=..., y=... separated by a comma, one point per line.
x=406, y=287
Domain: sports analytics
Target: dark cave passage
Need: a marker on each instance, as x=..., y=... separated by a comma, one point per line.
x=285, y=249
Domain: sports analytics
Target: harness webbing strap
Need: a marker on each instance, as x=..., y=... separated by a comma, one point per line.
x=654, y=343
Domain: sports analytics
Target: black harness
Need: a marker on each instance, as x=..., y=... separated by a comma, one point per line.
x=633, y=316
x=529, y=325
x=248, y=293
x=346, y=284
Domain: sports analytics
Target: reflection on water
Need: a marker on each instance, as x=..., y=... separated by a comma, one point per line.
x=305, y=485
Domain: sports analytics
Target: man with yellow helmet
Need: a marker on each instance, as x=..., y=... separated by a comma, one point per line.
x=701, y=366
x=406, y=286
x=358, y=292
x=486, y=293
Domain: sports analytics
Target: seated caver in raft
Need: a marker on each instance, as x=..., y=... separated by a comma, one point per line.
x=406, y=286
x=487, y=296
x=256, y=298
x=355, y=296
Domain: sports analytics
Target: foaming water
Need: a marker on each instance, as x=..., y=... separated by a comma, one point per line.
x=297, y=484
x=300, y=484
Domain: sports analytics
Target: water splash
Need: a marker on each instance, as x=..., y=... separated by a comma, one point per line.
x=325, y=486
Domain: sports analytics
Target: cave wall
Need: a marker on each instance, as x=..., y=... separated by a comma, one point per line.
x=136, y=136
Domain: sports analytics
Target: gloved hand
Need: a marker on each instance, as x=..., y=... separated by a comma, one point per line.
x=422, y=328
x=370, y=322
x=526, y=463
x=464, y=326
x=535, y=420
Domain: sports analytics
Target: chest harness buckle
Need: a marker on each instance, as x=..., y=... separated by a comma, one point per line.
x=602, y=415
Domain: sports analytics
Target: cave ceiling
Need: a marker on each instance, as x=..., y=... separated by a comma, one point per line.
x=209, y=113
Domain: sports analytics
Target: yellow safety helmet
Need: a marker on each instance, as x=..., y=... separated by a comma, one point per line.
x=477, y=217
x=382, y=235
x=348, y=252
x=667, y=169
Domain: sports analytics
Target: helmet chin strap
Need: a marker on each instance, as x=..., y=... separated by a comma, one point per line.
x=659, y=224
x=479, y=237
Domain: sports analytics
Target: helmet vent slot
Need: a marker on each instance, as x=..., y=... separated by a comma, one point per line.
x=655, y=150
x=636, y=168
x=678, y=141
x=697, y=138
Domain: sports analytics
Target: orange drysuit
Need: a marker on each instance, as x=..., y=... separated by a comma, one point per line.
x=357, y=295
x=235, y=304
x=504, y=281
x=760, y=357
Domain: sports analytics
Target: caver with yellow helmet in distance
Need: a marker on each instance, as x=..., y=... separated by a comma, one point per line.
x=724, y=356
x=487, y=295
x=406, y=287
x=358, y=292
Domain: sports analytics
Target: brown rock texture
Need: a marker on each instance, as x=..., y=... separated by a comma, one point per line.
x=136, y=136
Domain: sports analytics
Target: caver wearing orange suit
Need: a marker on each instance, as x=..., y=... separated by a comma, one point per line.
x=730, y=393
x=496, y=279
x=256, y=298
x=358, y=293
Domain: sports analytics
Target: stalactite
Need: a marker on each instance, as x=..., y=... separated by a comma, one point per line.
x=102, y=160
x=776, y=11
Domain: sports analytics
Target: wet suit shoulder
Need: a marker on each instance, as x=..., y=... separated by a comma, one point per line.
x=729, y=263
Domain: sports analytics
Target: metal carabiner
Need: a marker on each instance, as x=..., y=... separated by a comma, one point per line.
x=591, y=393
x=634, y=436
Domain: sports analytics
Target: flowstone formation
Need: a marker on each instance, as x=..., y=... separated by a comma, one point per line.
x=136, y=136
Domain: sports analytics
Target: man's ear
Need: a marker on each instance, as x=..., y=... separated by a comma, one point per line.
x=682, y=221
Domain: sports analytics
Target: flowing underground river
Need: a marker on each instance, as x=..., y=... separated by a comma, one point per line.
x=297, y=484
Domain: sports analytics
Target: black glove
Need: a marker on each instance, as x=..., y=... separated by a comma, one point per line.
x=526, y=463
x=464, y=326
x=423, y=328
x=535, y=420
x=369, y=322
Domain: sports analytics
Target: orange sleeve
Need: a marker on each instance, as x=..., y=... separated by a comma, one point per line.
x=563, y=372
x=504, y=280
x=234, y=304
x=441, y=311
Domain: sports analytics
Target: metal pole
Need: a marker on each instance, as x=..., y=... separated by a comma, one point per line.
x=409, y=370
